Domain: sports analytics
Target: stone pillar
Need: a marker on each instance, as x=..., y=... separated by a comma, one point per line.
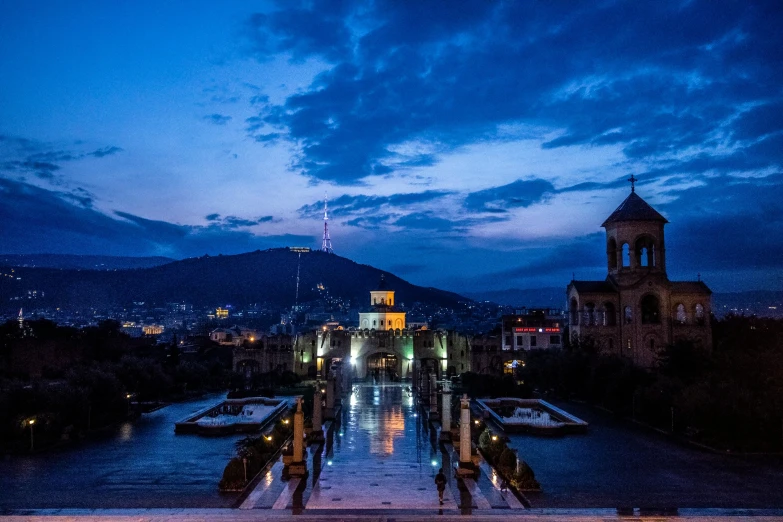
x=433, y=396
x=330, y=396
x=317, y=435
x=298, y=465
x=466, y=466
x=445, y=415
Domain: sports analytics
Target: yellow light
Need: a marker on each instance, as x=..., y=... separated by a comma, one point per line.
x=127, y=396
x=252, y=339
x=477, y=422
x=286, y=421
x=31, y=421
x=268, y=438
x=494, y=438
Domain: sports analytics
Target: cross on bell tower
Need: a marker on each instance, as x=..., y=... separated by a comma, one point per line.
x=633, y=181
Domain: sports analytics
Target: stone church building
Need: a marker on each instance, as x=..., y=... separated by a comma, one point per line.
x=636, y=311
x=382, y=347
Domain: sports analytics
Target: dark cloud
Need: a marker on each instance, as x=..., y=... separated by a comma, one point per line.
x=217, y=119
x=41, y=159
x=302, y=32
x=729, y=222
x=520, y=193
x=425, y=221
x=346, y=205
x=33, y=220
x=234, y=222
x=656, y=78
x=583, y=257
x=105, y=151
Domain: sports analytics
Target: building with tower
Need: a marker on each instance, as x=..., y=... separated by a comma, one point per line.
x=381, y=348
x=637, y=311
x=383, y=315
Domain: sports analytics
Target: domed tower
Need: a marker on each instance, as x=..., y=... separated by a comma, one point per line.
x=634, y=240
x=382, y=315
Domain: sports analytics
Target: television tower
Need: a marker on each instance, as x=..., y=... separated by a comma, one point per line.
x=326, y=244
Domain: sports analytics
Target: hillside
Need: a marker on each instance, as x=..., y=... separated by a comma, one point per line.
x=255, y=277
x=78, y=262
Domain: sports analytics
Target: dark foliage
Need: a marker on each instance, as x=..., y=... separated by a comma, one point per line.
x=73, y=381
x=731, y=398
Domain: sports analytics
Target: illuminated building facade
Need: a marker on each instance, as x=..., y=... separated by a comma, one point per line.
x=235, y=336
x=389, y=353
x=532, y=329
x=637, y=311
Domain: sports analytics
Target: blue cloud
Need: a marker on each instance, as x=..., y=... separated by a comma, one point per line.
x=217, y=119
x=520, y=193
x=656, y=78
x=31, y=216
x=41, y=159
x=347, y=205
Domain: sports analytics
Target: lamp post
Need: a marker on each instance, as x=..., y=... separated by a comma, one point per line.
x=244, y=463
x=31, y=422
x=127, y=404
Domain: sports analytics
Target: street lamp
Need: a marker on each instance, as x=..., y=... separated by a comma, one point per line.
x=127, y=404
x=244, y=463
x=32, y=440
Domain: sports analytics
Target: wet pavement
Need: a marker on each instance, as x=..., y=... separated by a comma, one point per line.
x=381, y=456
x=138, y=464
x=380, y=459
x=619, y=464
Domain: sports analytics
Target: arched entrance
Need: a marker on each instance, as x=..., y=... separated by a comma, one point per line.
x=383, y=367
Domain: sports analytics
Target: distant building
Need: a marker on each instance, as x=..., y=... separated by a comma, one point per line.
x=152, y=329
x=636, y=311
x=132, y=329
x=234, y=336
x=532, y=329
x=221, y=313
x=383, y=315
x=388, y=350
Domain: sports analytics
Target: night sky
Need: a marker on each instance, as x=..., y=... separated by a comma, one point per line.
x=463, y=145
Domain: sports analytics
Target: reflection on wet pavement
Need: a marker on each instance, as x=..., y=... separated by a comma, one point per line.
x=138, y=464
x=382, y=457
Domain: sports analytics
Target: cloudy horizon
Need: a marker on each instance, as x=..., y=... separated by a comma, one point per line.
x=469, y=145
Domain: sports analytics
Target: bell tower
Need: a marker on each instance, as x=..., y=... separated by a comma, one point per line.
x=634, y=238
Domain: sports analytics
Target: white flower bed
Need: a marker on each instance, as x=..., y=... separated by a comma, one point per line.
x=531, y=417
x=250, y=414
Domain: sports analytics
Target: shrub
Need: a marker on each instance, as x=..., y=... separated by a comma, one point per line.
x=523, y=477
x=507, y=461
x=233, y=475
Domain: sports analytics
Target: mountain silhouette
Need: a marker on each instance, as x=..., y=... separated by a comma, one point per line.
x=240, y=280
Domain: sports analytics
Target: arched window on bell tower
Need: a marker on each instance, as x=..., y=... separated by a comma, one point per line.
x=644, y=251
x=626, y=255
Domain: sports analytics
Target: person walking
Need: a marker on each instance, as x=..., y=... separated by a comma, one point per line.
x=440, y=483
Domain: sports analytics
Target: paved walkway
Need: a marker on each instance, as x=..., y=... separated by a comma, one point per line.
x=381, y=456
